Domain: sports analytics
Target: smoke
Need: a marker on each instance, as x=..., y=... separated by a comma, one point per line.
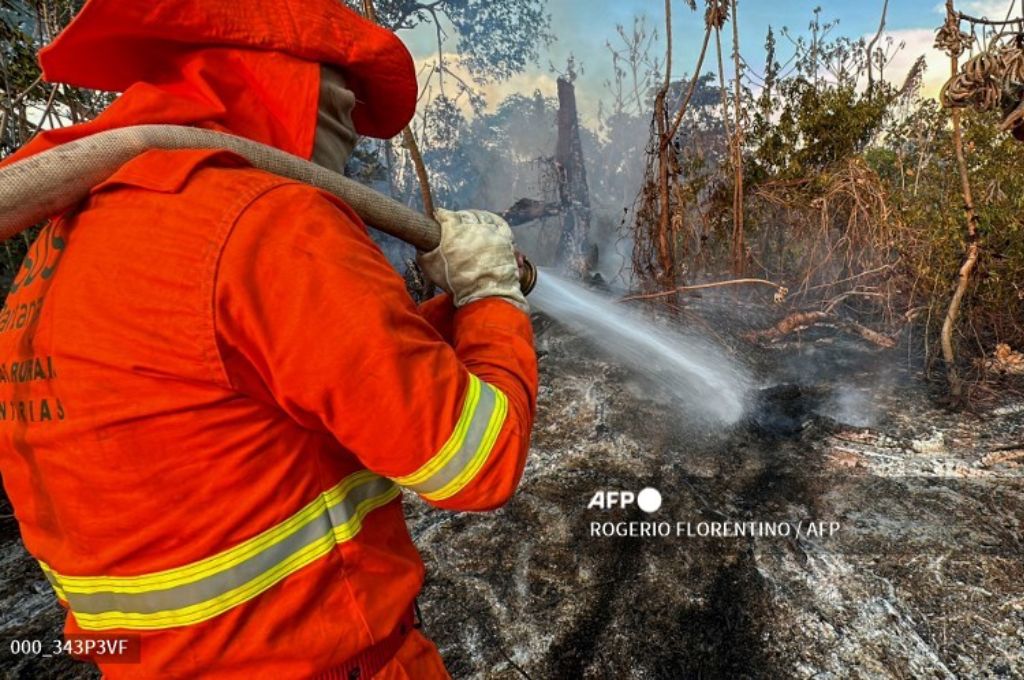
x=854, y=380
x=852, y=405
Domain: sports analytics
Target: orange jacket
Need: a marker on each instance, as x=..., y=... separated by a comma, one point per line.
x=213, y=388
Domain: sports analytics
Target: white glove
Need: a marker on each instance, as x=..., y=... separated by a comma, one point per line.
x=476, y=258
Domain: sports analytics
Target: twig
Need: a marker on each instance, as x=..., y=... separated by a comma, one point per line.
x=46, y=110
x=983, y=21
x=874, y=337
x=409, y=139
x=514, y=665
x=869, y=272
x=871, y=46
x=834, y=302
x=846, y=449
x=702, y=286
x=24, y=93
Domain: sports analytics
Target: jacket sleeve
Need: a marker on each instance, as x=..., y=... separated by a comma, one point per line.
x=439, y=311
x=309, y=314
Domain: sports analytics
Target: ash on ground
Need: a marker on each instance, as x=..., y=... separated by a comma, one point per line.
x=924, y=576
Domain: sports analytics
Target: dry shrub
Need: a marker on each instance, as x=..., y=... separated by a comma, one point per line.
x=831, y=240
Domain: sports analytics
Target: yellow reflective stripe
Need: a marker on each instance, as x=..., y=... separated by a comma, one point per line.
x=52, y=578
x=216, y=606
x=225, y=560
x=348, y=531
x=211, y=608
x=467, y=449
x=455, y=441
x=481, y=455
x=197, y=592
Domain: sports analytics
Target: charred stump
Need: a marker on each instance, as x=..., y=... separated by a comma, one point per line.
x=574, y=247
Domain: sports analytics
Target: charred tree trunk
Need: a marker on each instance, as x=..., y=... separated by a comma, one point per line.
x=574, y=247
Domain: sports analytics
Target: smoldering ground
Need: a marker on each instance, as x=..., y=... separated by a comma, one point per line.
x=922, y=579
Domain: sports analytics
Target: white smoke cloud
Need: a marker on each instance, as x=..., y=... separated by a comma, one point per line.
x=917, y=42
x=493, y=92
x=993, y=9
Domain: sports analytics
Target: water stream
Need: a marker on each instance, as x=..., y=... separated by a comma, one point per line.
x=682, y=365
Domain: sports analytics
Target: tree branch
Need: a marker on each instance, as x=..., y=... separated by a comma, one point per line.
x=702, y=286
x=689, y=94
x=409, y=139
x=988, y=22
x=871, y=46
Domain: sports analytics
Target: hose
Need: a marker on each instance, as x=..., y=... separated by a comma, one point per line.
x=48, y=183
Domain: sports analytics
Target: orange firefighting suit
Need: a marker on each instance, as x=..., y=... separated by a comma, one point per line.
x=213, y=386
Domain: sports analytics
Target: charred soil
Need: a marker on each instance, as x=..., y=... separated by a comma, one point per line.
x=924, y=576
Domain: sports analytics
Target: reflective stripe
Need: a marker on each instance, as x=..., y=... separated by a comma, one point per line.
x=466, y=451
x=204, y=589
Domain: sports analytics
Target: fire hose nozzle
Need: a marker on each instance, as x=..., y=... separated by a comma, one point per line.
x=527, y=273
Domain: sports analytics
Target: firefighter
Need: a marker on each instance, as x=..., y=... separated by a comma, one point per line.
x=235, y=388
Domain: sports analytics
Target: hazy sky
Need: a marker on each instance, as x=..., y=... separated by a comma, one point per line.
x=582, y=27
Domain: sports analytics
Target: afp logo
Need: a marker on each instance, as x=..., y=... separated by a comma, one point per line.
x=648, y=500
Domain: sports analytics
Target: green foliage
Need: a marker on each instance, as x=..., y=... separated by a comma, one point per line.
x=812, y=127
x=922, y=174
x=495, y=39
x=17, y=46
x=828, y=160
x=853, y=197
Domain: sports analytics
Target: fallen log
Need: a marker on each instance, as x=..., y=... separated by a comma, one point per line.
x=874, y=337
x=794, y=321
x=801, y=320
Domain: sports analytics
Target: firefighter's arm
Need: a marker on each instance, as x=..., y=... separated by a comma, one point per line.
x=439, y=311
x=310, y=316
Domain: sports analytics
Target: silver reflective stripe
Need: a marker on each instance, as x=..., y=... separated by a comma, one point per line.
x=202, y=590
x=471, y=446
x=225, y=581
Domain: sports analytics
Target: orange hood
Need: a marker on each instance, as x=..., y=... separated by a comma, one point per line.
x=251, y=68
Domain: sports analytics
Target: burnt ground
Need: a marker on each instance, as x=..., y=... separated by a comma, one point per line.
x=28, y=611
x=924, y=577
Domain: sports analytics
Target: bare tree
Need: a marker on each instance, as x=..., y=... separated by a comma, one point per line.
x=739, y=249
